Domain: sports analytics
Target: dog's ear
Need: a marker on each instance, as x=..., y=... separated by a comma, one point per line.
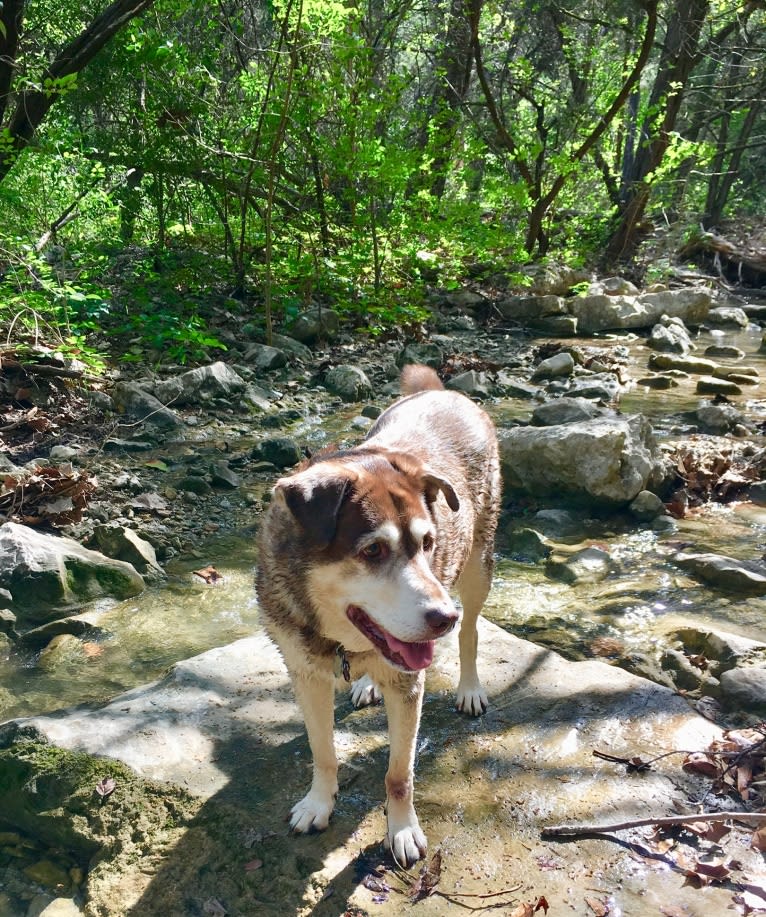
x=433, y=483
x=315, y=502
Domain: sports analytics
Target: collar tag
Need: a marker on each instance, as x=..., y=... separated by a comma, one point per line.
x=342, y=667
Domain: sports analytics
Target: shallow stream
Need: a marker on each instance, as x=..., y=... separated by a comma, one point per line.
x=625, y=616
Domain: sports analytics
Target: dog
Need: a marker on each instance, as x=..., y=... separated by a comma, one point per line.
x=357, y=553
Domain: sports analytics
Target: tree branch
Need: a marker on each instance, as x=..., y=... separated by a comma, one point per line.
x=575, y=830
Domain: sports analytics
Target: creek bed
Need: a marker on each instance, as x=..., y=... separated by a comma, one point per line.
x=628, y=614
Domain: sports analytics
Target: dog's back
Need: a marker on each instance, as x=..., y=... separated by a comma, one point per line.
x=456, y=439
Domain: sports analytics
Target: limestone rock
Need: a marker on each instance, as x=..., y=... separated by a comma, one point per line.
x=590, y=565
x=203, y=383
x=727, y=316
x=349, y=382
x=470, y=383
x=726, y=573
x=709, y=385
x=280, y=451
x=564, y=410
x=560, y=364
x=123, y=543
x=744, y=688
x=315, y=324
x=134, y=401
x=606, y=459
x=647, y=505
x=49, y=575
x=427, y=353
x=263, y=358
x=603, y=312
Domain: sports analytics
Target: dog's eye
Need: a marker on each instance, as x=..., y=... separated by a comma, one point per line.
x=428, y=543
x=376, y=550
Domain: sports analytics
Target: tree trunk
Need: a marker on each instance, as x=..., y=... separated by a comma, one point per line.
x=677, y=61
x=441, y=124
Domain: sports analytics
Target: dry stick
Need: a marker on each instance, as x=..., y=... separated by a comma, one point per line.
x=563, y=830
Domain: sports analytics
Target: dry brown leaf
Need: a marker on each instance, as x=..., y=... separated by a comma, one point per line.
x=210, y=575
x=429, y=877
x=600, y=908
x=699, y=763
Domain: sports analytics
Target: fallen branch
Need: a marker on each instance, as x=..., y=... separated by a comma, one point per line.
x=573, y=830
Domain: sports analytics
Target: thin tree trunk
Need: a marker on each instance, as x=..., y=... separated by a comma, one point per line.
x=677, y=61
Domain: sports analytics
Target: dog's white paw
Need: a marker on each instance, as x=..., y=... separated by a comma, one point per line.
x=312, y=813
x=406, y=841
x=364, y=692
x=471, y=700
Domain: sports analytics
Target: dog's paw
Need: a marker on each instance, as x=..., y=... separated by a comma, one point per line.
x=471, y=700
x=364, y=692
x=312, y=813
x=406, y=842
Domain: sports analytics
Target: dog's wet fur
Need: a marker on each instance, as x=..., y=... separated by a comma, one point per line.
x=357, y=554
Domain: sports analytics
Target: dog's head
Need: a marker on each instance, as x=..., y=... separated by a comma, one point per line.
x=366, y=523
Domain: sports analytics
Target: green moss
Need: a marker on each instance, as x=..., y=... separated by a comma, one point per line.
x=50, y=793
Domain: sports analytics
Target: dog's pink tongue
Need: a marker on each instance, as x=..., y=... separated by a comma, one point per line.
x=415, y=655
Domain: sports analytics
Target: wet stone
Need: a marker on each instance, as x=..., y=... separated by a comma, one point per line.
x=280, y=451
x=647, y=505
x=591, y=565
x=657, y=383
x=561, y=364
x=744, y=689
x=707, y=385
x=725, y=351
x=564, y=410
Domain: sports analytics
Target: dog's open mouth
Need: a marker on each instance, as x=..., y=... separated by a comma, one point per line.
x=409, y=656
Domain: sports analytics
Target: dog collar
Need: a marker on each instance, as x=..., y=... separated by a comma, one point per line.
x=342, y=665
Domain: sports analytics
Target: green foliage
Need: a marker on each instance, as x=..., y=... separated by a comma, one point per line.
x=163, y=152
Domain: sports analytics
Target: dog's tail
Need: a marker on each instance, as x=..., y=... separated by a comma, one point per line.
x=418, y=378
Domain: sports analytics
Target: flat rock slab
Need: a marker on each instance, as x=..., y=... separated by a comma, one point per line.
x=224, y=725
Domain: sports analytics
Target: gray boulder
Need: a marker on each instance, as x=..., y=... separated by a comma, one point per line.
x=647, y=506
x=135, y=402
x=280, y=451
x=596, y=386
x=560, y=364
x=470, y=383
x=530, y=309
x=348, y=382
x=590, y=565
x=726, y=573
x=727, y=317
x=605, y=459
x=122, y=543
x=315, y=324
x=50, y=576
x=263, y=358
x=604, y=312
x=718, y=419
x=291, y=346
x=427, y=353
x=565, y=410
x=204, y=383
x=744, y=689
x=670, y=337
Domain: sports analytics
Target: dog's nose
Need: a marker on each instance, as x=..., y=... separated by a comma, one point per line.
x=441, y=622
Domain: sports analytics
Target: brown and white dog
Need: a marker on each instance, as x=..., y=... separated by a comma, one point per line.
x=357, y=553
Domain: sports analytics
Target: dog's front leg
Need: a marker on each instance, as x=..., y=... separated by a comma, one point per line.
x=316, y=697
x=403, y=699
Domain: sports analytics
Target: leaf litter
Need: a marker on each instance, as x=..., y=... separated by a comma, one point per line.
x=734, y=765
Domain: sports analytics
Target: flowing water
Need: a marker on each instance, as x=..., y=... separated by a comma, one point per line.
x=626, y=616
